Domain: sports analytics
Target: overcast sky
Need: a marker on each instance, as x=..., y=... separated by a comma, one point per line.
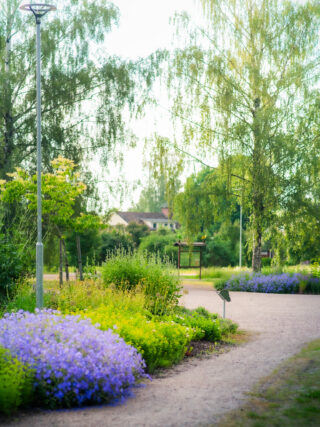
x=144, y=26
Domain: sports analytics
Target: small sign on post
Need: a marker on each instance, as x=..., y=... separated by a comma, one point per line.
x=224, y=295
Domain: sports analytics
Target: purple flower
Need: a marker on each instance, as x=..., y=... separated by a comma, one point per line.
x=74, y=362
x=273, y=283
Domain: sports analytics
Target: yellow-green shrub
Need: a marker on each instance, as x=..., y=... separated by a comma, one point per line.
x=15, y=383
x=160, y=343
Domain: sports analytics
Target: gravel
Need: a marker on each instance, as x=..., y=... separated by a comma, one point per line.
x=200, y=392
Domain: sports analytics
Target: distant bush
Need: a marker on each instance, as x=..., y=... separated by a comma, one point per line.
x=137, y=232
x=15, y=383
x=113, y=240
x=154, y=277
x=160, y=244
x=13, y=267
x=218, y=252
x=266, y=262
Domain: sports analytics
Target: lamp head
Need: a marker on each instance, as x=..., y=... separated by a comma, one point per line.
x=38, y=9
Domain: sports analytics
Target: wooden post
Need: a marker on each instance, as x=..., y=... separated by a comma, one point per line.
x=60, y=263
x=66, y=260
x=200, y=260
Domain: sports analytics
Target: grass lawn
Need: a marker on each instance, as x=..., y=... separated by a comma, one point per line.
x=290, y=397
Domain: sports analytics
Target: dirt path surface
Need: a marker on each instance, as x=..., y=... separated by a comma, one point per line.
x=199, y=392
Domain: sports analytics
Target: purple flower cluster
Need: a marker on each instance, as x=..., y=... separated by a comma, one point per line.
x=273, y=283
x=74, y=362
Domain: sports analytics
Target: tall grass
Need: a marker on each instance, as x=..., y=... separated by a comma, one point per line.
x=222, y=273
x=75, y=296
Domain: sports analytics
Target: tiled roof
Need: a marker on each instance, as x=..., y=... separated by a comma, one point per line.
x=140, y=216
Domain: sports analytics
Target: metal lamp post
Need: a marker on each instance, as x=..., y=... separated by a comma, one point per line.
x=39, y=10
x=240, y=246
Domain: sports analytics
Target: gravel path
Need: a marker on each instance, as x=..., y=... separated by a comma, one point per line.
x=199, y=392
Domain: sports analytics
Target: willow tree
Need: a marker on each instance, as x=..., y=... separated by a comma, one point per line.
x=247, y=84
x=84, y=90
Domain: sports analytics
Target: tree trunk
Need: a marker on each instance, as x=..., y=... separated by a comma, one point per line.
x=60, y=263
x=66, y=260
x=79, y=256
x=258, y=185
x=256, y=251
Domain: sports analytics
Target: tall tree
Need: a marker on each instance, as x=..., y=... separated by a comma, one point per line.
x=84, y=90
x=246, y=85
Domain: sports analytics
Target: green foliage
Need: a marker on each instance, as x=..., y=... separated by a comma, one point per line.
x=14, y=266
x=113, y=240
x=193, y=207
x=59, y=189
x=206, y=324
x=266, y=262
x=219, y=252
x=161, y=243
x=207, y=206
x=209, y=326
x=90, y=241
x=137, y=232
x=25, y=298
x=15, y=383
x=131, y=271
x=160, y=343
x=264, y=115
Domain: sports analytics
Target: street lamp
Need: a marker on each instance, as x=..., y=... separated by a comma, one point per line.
x=38, y=10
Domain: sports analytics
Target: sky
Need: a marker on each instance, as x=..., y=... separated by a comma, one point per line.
x=144, y=27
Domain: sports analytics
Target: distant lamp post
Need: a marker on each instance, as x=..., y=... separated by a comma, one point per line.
x=38, y=10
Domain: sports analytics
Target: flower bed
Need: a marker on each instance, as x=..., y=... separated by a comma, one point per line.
x=161, y=343
x=74, y=362
x=274, y=283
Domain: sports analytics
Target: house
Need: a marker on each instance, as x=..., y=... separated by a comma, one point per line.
x=153, y=220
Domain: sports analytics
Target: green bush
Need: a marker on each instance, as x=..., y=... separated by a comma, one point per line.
x=212, y=327
x=15, y=383
x=13, y=267
x=160, y=244
x=266, y=262
x=129, y=272
x=114, y=240
x=25, y=299
x=137, y=232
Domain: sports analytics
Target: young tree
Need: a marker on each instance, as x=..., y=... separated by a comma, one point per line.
x=59, y=193
x=247, y=85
